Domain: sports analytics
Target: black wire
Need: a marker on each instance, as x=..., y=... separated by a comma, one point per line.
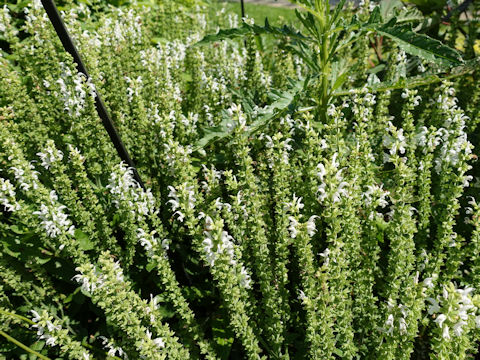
x=69, y=46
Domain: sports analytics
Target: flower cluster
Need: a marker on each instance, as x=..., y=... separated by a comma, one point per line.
x=453, y=311
x=186, y=192
x=49, y=156
x=53, y=219
x=335, y=188
x=124, y=188
x=50, y=330
x=150, y=242
x=219, y=242
x=400, y=312
x=7, y=196
x=394, y=141
x=113, y=350
x=74, y=89
x=24, y=183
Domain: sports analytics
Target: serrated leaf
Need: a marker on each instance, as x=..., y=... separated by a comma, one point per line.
x=213, y=133
x=415, y=81
x=420, y=45
x=338, y=10
x=389, y=7
x=281, y=101
x=375, y=16
x=247, y=29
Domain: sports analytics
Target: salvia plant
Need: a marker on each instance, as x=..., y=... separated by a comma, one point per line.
x=311, y=192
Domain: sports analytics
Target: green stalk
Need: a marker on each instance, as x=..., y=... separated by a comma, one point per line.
x=20, y=317
x=23, y=346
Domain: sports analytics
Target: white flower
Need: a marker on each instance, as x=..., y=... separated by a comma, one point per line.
x=51, y=340
x=440, y=319
x=7, y=196
x=159, y=342
x=301, y=296
x=389, y=324
x=325, y=254
x=331, y=110
x=293, y=227
x=54, y=220
x=402, y=326
x=50, y=156
x=245, y=279
x=321, y=171
x=446, y=333
x=428, y=283
x=311, y=229
x=295, y=205
x=457, y=328
x=434, y=307
x=209, y=253
x=36, y=317
x=128, y=193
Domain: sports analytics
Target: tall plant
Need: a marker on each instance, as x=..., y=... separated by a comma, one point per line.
x=329, y=34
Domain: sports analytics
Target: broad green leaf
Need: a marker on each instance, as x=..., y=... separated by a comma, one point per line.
x=339, y=72
x=409, y=15
x=376, y=69
x=420, y=45
x=150, y=266
x=388, y=8
x=16, y=229
x=83, y=241
x=213, y=133
x=281, y=102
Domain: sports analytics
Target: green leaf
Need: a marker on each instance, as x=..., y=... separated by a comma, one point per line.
x=308, y=21
x=376, y=69
x=415, y=81
x=213, y=133
x=420, y=45
x=83, y=241
x=281, y=101
x=247, y=29
x=338, y=10
x=375, y=16
x=339, y=81
x=150, y=266
x=222, y=335
x=16, y=229
x=388, y=8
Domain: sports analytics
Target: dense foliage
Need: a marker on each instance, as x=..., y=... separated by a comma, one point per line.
x=310, y=192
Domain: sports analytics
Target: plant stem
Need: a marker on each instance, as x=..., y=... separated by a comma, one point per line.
x=20, y=317
x=23, y=346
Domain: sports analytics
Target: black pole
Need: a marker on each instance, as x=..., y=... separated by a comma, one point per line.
x=69, y=46
x=242, y=5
